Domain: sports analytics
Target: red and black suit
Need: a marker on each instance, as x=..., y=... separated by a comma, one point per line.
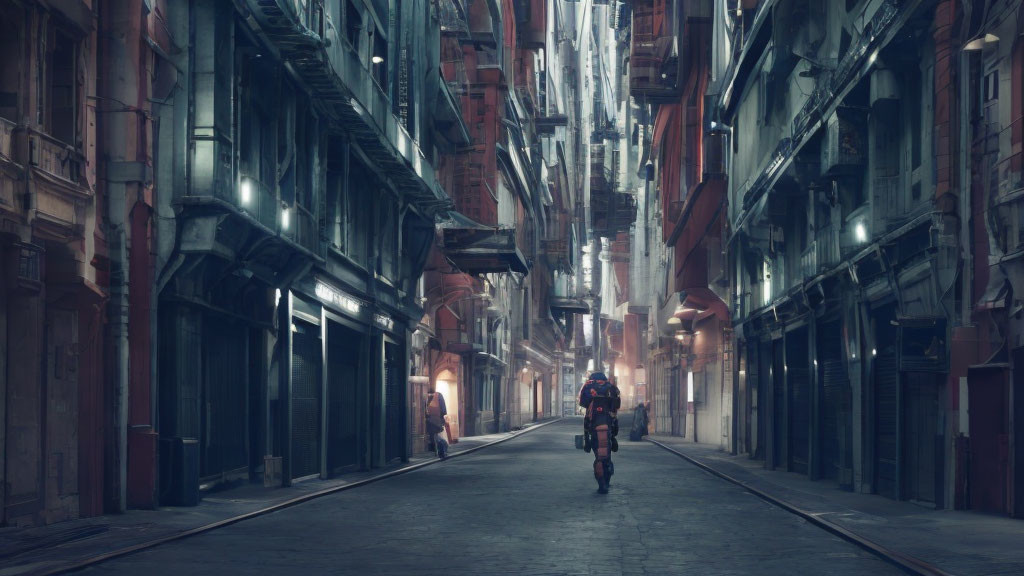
x=600, y=426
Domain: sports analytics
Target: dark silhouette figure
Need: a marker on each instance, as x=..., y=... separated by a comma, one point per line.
x=640, y=421
x=436, y=412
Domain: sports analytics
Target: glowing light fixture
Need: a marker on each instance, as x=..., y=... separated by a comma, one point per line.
x=861, y=232
x=378, y=59
x=285, y=218
x=872, y=58
x=245, y=191
x=874, y=352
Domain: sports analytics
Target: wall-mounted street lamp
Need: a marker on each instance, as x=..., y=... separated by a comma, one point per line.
x=861, y=232
x=245, y=191
x=285, y=218
x=980, y=42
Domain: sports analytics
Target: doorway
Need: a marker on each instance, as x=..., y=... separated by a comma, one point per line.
x=447, y=385
x=306, y=399
x=923, y=441
x=344, y=376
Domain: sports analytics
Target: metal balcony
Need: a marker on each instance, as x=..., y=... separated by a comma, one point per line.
x=333, y=71
x=477, y=249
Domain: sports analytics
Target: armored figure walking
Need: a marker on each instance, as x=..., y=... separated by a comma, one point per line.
x=600, y=397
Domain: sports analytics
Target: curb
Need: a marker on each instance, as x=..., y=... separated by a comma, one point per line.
x=905, y=562
x=81, y=564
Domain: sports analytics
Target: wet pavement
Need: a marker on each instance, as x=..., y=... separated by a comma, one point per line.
x=526, y=506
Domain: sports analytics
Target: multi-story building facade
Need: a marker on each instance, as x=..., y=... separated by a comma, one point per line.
x=301, y=197
x=497, y=326
x=54, y=265
x=831, y=205
x=844, y=319
x=987, y=50
x=863, y=163
x=248, y=253
x=683, y=308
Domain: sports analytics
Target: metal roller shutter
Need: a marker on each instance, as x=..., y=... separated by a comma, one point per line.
x=835, y=390
x=225, y=398
x=394, y=439
x=778, y=405
x=306, y=402
x=799, y=404
x=887, y=386
x=342, y=378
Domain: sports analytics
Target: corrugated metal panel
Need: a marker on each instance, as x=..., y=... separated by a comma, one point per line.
x=394, y=397
x=225, y=398
x=799, y=407
x=778, y=405
x=887, y=385
x=923, y=438
x=342, y=380
x=306, y=401
x=835, y=401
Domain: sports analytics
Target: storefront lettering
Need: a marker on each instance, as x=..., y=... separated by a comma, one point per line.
x=384, y=321
x=336, y=298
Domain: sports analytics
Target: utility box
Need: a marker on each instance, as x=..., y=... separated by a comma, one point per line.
x=272, y=467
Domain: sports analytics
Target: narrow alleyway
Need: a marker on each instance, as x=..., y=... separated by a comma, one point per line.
x=527, y=506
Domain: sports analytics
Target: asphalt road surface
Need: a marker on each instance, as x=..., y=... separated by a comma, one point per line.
x=528, y=506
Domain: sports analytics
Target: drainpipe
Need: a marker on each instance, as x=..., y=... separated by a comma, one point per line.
x=125, y=179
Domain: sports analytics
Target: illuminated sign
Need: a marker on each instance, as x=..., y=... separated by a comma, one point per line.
x=384, y=321
x=336, y=298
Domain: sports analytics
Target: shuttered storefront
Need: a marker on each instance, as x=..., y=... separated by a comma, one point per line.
x=344, y=346
x=223, y=410
x=887, y=420
x=306, y=400
x=762, y=391
x=394, y=403
x=798, y=376
x=835, y=402
x=778, y=405
x=923, y=438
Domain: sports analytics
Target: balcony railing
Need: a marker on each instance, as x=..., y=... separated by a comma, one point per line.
x=54, y=157
x=654, y=54
x=309, y=40
x=451, y=15
x=7, y=139
x=458, y=341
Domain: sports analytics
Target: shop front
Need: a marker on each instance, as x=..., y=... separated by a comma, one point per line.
x=345, y=406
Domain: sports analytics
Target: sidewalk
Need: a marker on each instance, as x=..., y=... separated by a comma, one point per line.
x=65, y=545
x=953, y=542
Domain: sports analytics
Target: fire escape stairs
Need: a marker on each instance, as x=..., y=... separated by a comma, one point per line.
x=306, y=52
